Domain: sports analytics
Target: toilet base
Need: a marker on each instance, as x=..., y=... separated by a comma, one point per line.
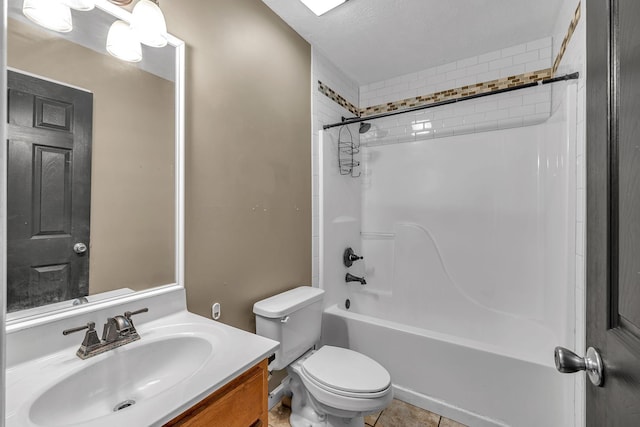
x=310, y=418
x=306, y=413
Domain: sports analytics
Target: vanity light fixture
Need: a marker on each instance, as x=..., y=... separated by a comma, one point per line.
x=51, y=14
x=122, y=43
x=148, y=23
x=320, y=7
x=83, y=5
x=148, y=26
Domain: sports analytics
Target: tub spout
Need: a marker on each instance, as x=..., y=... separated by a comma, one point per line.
x=351, y=278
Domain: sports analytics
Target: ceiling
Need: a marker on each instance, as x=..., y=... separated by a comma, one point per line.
x=373, y=40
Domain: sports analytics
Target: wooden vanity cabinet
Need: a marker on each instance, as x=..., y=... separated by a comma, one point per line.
x=241, y=403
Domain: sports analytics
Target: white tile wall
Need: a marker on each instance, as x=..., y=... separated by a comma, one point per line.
x=526, y=107
x=325, y=111
x=501, y=63
x=513, y=109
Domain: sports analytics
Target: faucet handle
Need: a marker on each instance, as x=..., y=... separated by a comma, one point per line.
x=128, y=314
x=90, y=326
x=90, y=341
x=349, y=256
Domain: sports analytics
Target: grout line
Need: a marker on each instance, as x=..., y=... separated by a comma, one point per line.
x=376, y=421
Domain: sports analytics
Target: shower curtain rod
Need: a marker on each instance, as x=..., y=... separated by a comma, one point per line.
x=346, y=121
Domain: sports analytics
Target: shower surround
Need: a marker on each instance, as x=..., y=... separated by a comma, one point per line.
x=467, y=245
x=466, y=215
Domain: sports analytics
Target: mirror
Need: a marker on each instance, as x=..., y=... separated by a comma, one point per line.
x=131, y=115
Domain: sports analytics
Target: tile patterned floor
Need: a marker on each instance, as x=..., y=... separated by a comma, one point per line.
x=398, y=414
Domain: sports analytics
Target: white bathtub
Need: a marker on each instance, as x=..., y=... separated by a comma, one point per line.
x=458, y=378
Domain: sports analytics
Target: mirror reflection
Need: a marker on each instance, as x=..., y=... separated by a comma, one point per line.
x=91, y=142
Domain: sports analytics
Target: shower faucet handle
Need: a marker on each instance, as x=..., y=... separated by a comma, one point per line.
x=349, y=257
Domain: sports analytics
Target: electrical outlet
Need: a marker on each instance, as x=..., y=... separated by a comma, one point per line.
x=215, y=311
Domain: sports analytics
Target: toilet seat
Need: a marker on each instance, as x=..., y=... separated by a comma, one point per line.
x=345, y=396
x=346, y=373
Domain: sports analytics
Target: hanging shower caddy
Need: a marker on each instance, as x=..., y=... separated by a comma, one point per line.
x=347, y=149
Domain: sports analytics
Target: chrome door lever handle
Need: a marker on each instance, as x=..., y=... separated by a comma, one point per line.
x=568, y=362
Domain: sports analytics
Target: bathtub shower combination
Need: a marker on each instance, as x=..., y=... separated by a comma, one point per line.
x=468, y=245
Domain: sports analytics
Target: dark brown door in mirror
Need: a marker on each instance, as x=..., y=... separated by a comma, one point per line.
x=613, y=209
x=48, y=191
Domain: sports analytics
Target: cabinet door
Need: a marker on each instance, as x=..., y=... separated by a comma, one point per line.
x=241, y=403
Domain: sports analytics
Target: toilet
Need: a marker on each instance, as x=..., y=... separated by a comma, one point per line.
x=330, y=386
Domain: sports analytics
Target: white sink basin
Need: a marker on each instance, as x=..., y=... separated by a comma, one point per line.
x=128, y=375
x=179, y=360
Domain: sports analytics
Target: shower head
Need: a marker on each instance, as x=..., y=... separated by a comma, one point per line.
x=364, y=127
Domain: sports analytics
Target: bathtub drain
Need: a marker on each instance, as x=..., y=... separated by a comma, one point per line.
x=124, y=404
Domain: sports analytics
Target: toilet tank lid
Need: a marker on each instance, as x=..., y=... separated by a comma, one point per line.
x=287, y=302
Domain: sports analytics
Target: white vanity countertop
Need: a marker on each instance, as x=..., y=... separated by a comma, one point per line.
x=234, y=351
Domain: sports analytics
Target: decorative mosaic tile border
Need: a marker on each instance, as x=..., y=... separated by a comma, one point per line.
x=339, y=99
x=567, y=37
x=460, y=92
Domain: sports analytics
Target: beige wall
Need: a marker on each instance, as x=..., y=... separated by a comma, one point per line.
x=132, y=188
x=248, y=161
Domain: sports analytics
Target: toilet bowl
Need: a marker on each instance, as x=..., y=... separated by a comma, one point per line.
x=330, y=386
x=342, y=383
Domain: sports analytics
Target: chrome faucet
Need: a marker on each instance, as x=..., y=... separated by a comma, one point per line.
x=351, y=278
x=116, y=328
x=118, y=331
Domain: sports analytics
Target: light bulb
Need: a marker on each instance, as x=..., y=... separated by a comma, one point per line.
x=122, y=43
x=50, y=14
x=148, y=22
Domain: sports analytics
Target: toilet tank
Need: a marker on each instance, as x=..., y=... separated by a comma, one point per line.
x=293, y=318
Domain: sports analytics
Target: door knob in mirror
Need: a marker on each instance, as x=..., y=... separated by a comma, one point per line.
x=80, y=248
